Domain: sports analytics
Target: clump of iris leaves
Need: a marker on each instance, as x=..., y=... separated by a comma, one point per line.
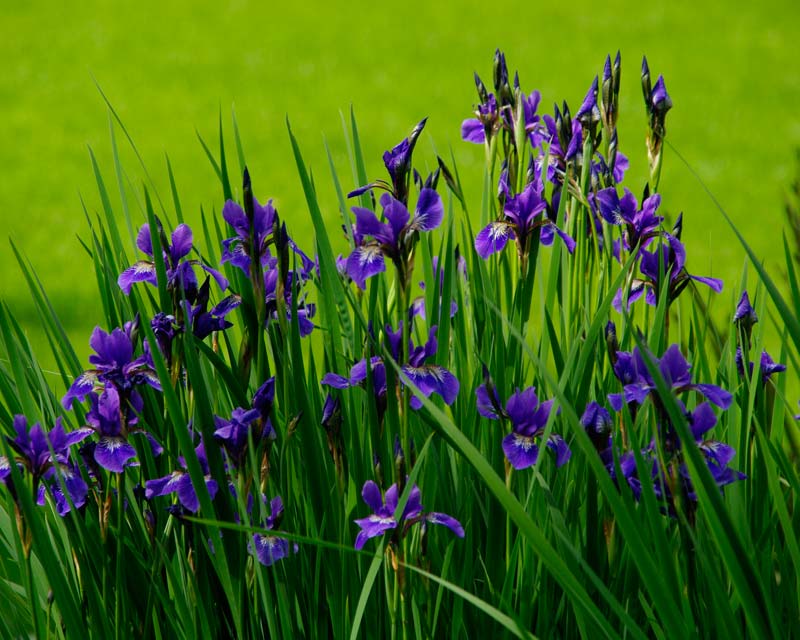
x=528, y=426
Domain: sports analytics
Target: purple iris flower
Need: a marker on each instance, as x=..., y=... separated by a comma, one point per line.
x=671, y=258
x=113, y=426
x=429, y=378
x=639, y=225
x=203, y=321
x=660, y=102
x=528, y=419
x=113, y=364
x=32, y=447
x=180, y=482
x=768, y=366
x=589, y=113
x=250, y=239
x=398, y=163
x=383, y=519
x=358, y=376
x=233, y=433
x=486, y=123
x=600, y=168
x=717, y=455
x=165, y=328
x=180, y=272
x=596, y=420
x=305, y=311
x=744, y=318
x=523, y=215
x=390, y=239
x=269, y=548
x=638, y=384
x=77, y=490
x=745, y=314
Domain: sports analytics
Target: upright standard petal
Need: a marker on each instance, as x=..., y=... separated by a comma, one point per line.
x=143, y=240
x=181, y=242
x=429, y=211
x=372, y=496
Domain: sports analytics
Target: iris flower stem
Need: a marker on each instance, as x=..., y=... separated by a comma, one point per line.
x=119, y=624
x=37, y=632
x=393, y=606
x=509, y=471
x=402, y=312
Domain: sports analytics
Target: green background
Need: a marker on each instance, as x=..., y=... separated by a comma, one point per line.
x=731, y=69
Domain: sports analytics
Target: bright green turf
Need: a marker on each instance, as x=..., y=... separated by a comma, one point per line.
x=731, y=72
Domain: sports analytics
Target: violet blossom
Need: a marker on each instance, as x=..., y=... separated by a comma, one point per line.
x=383, y=517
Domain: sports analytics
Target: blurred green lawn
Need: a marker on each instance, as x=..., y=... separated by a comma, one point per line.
x=731, y=69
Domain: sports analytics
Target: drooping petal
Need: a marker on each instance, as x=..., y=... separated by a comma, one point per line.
x=565, y=237
x=472, y=131
x=715, y=284
x=365, y=262
x=559, y=445
x=221, y=280
x=269, y=549
x=112, y=453
x=521, y=451
x=448, y=521
x=715, y=394
x=80, y=388
x=77, y=436
x=485, y=405
x=335, y=380
x=163, y=486
x=720, y=452
x=188, y=496
x=373, y=526
x=637, y=392
x=433, y=379
x=493, y=238
x=141, y=271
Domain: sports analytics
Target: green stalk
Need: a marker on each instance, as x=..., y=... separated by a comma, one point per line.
x=31, y=590
x=118, y=609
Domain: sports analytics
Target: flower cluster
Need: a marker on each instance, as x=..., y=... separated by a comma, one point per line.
x=662, y=458
x=428, y=378
x=384, y=514
x=528, y=418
